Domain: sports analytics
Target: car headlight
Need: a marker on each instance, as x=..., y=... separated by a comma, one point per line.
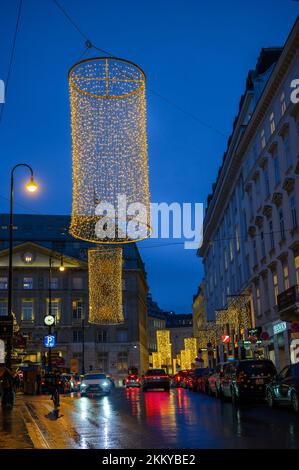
x=105, y=384
x=83, y=385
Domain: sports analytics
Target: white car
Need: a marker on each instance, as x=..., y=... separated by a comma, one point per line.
x=95, y=383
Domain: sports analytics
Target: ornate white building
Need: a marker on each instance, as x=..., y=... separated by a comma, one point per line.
x=251, y=235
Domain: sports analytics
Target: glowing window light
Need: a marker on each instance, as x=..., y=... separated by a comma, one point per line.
x=157, y=360
x=185, y=359
x=105, y=285
x=164, y=346
x=191, y=345
x=109, y=146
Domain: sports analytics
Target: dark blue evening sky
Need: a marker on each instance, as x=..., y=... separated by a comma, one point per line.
x=195, y=53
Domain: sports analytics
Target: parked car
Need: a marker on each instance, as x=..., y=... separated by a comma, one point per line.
x=192, y=378
x=50, y=379
x=203, y=381
x=156, y=379
x=247, y=378
x=95, y=383
x=132, y=380
x=76, y=382
x=214, y=379
x=66, y=383
x=284, y=388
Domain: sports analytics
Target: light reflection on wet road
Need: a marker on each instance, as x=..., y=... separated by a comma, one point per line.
x=134, y=419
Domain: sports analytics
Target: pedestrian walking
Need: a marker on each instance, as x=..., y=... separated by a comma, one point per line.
x=38, y=381
x=7, y=388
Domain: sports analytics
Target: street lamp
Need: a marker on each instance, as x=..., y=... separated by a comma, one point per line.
x=31, y=186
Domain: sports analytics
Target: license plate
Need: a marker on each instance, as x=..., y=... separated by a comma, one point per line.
x=259, y=381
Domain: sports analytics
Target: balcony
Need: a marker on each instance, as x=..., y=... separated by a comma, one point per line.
x=288, y=304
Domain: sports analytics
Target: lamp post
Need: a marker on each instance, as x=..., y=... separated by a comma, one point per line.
x=61, y=269
x=31, y=187
x=83, y=346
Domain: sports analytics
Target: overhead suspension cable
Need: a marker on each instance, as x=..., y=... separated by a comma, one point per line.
x=11, y=56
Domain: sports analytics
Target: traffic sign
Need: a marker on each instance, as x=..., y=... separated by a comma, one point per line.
x=225, y=339
x=49, y=341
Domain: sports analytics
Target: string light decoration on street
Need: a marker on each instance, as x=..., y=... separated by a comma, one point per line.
x=109, y=147
x=164, y=346
x=185, y=359
x=105, y=285
x=191, y=345
x=157, y=361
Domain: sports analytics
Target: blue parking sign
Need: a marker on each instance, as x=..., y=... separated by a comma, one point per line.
x=49, y=341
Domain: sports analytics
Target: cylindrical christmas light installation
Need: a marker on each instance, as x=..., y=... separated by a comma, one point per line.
x=110, y=166
x=191, y=345
x=105, y=285
x=164, y=346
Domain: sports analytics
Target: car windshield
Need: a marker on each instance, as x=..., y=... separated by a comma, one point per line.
x=254, y=368
x=156, y=372
x=95, y=377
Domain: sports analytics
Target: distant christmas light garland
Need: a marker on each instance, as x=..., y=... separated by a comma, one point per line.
x=105, y=285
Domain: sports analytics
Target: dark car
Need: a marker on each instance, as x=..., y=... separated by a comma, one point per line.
x=214, y=379
x=179, y=379
x=49, y=380
x=247, y=378
x=154, y=379
x=194, y=377
x=203, y=381
x=132, y=380
x=284, y=388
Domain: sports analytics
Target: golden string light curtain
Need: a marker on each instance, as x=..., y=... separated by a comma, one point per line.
x=111, y=201
x=105, y=285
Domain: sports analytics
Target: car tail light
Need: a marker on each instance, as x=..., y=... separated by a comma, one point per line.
x=138, y=380
x=127, y=381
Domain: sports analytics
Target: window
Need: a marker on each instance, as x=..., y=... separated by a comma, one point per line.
x=3, y=308
x=281, y=225
x=254, y=253
x=267, y=184
x=263, y=245
x=27, y=310
x=272, y=123
x=122, y=336
x=258, y=302
x=123, y=284
x=287, y=151
x=276, y=169
x=275, y=286
x=285, y=270
x=124, y=310
x=263, y=139
x=102, y=336
x=266, y=291
x=27, y=283
x=237, y=238
x=122, y=362
x=77, y=336
x=283, y=106
x=77, y=283
x=78, y=309
x=54, y=283
x=297, y=269
x=3, y=282
x=102, y=362
x=271, y=235
x=225, y=259
x=55, y=308
x=293, y=211
x=231, y=251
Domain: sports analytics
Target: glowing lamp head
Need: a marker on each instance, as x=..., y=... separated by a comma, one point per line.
x=61, y=268
x=31, y=186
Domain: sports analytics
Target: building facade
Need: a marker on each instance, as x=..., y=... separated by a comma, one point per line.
x=250, y=246
x=108, y=348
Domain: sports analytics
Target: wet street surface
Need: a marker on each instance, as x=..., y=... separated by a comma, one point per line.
x=132, y=419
